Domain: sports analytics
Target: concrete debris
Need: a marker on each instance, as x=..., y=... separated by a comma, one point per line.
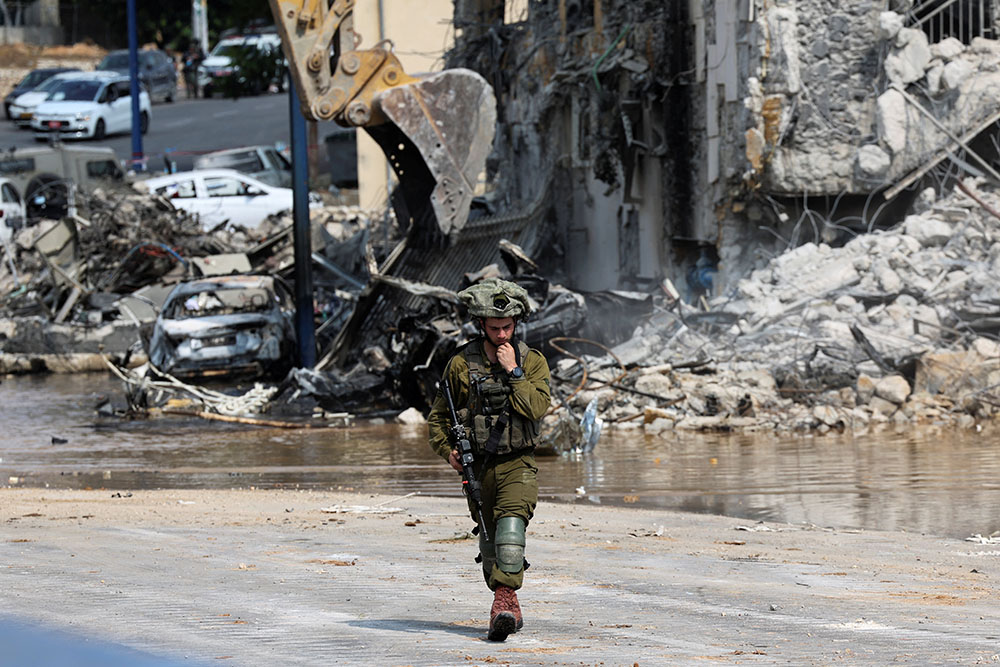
x=896, y=327
x=85, y=286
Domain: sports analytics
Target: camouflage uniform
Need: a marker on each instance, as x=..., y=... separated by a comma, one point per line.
x=510, y=486
x=506, y=409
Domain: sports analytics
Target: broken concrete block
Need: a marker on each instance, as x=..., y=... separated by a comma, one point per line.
x=637, y=349
x=880, y=406
x=986, y=348
x=955, y=73
x=933, y=77
x=826, y=414
x=703, y=423
x=659, y=425
x=605, y=397
x=656, y=384
x=907, y=62
x=848, y=304
x=873, y=162
x=891, y=120
x=889, y=25
x=834, y=330
x=893, y=388
x=966, y=422
x=865, y=388
x=947, y=48
x=928, y=231
x=410, y=416
x=926, y=321
x=886, y=277
x=925, y=200
x=948, y=372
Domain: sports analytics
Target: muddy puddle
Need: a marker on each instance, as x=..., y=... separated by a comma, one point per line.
x=943, y=482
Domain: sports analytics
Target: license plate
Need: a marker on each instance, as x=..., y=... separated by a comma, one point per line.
x=54, y=124
x=219, y=341
x=25, y=116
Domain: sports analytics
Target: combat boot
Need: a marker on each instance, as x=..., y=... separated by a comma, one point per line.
x=505, y=616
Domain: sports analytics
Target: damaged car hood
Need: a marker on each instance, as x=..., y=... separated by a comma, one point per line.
x=203, y=327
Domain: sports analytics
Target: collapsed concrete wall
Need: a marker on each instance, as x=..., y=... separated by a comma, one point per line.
x=592, y=106
x=695, y=140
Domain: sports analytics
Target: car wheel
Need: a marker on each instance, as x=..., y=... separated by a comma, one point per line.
x=46, y=196
x=143, y=122
x=99, y=130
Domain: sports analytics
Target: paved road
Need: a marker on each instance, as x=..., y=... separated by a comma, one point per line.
x=186, y=127
x=265, y=577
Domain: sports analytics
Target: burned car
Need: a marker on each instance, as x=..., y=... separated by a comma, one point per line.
x=236, y=325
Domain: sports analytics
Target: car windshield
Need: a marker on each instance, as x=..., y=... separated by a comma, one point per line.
x=231, y=50
x=48, y=85
x=33, y=79
x=242, y=161
x=222, y=301
x=75, y=91
x=114, y=61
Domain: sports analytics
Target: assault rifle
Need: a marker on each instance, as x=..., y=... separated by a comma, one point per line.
x=460, y=441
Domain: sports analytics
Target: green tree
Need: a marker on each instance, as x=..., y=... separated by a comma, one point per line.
x=168, y=24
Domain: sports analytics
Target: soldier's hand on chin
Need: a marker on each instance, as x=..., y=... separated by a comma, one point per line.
x=506, y=357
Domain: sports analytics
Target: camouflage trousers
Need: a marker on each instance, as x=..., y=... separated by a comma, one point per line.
x=509, y=488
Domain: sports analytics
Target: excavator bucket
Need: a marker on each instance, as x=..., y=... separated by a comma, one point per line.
x=438, y=134
x=436, y=130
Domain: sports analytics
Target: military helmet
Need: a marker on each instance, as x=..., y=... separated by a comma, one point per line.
x=496, y=298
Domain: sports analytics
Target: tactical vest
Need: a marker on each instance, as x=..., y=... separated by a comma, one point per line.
x=489, y=400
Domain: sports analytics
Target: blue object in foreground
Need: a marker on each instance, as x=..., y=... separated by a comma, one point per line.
x=33, y=646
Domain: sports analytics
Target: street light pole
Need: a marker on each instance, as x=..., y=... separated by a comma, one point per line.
x=138, y=160
x=304, y=323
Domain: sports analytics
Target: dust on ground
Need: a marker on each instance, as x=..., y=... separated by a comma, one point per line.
x=356, y=578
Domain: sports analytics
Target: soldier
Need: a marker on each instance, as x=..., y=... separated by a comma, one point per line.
x=500, y=388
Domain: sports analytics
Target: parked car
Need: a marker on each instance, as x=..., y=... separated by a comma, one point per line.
x=12, y=211
x=219, y=69
x=22, y=109
x=90, y=104
x=30, y=82
x=225, y=325
x=220, y=196
x=156, y=71
x=42, y=174
x=264, y=163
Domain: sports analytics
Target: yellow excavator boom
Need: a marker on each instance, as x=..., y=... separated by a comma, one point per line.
x=436, y=130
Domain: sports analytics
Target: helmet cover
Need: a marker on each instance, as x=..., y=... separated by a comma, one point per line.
x=496, y=298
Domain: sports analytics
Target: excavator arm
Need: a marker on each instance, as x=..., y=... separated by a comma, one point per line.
x=436, y=130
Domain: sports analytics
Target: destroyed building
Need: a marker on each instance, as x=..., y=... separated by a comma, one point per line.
x=694, y=140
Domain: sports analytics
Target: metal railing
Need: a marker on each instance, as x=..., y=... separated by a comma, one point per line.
x=962, y=19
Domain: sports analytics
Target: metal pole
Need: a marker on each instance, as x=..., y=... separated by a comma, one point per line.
x=138, y=161
x=304, y=324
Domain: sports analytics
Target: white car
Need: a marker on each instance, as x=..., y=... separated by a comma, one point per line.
x=22, y=108
x=90, y=105
x=222, y=195
x=218, y=65
x=12, y=209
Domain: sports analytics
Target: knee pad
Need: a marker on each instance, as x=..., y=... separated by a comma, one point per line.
x=510, y=544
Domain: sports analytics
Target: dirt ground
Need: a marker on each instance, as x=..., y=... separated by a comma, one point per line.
x=253, y=577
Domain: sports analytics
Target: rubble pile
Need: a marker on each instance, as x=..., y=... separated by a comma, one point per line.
x=64, y=282
x=896, y=326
